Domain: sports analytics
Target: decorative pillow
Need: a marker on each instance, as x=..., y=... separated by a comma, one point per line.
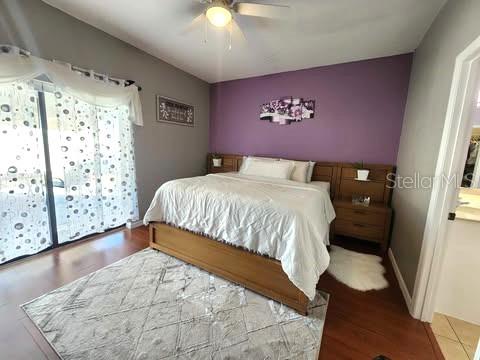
x=310, y=170
x=268, y=168
x=300, y=171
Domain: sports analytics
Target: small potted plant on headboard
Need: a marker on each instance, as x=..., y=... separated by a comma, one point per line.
x=216, y=160
x=362, y=173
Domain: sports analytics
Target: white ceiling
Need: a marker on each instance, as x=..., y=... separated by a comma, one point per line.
x=319, y=32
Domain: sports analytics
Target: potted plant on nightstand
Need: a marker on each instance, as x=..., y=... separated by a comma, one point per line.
x=216, y=160
x=362, y=173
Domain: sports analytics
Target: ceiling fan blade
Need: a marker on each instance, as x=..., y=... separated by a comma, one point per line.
x=195, y=23
x=238, y=32
x=262, y=10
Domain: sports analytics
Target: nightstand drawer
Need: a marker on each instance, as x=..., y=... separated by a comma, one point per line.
x=228, y=162
x=361, y=216
x=221, y=169
x=358, y=230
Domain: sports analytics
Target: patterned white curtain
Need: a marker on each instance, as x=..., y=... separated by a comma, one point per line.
x=24, y=222
x=97, y=158
x=100, y=89
x=90, y=145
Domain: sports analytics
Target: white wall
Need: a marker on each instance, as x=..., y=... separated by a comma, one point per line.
x=476, y=113
x=459, y=289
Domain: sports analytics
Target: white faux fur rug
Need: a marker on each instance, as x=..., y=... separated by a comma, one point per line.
x=359, y=271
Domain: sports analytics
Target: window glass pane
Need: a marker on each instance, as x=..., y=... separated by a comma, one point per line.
x=92, y=161
x=24, y=222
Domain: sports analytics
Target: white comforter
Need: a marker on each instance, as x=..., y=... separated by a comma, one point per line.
x=286, y=220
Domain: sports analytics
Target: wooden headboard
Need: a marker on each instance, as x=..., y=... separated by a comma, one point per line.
x=341, y=177
x=377, y=186
x=323, y=171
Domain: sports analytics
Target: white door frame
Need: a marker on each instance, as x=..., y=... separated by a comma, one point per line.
x=450, y=164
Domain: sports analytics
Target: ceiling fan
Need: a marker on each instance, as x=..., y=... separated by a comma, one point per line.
x=220, y=13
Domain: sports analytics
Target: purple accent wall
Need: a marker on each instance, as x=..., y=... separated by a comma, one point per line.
x=358, y=113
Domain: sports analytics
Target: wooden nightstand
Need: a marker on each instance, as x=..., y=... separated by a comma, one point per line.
x=371, y=223
x=229, y=163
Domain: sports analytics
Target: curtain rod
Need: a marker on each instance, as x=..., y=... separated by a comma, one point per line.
x=131, y=82
x=11, y=49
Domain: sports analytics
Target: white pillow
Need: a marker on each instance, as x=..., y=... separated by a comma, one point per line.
x=246, y=159
x=274, y=169
x=263, y=158
x=310, y=170
x=300, y=171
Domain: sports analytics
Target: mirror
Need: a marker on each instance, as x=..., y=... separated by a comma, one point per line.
x=471, y=173
x=468, y=202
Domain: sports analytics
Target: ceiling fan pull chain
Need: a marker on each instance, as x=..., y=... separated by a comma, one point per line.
x=230, y=29
x=205, y=35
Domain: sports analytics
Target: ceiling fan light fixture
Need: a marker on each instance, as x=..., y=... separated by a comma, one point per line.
x=219, y=15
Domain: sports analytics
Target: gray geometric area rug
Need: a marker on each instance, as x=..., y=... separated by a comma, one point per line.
x=154, y=306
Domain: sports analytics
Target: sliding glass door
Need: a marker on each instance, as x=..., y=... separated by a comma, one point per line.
x=24, y=216
x=73, y=179
x=92, y=166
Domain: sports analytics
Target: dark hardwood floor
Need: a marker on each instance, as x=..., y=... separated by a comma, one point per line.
x=358, y=326
x=363, y=325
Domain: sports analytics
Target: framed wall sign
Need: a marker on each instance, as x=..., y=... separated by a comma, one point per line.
x=174, y=112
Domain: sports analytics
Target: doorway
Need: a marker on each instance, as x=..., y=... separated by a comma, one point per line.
x=456, y=322
x=445, y=206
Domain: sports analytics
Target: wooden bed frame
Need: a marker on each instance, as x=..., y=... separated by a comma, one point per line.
x=261, y=274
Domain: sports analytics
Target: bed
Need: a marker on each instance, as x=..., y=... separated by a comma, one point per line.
x=269, y=235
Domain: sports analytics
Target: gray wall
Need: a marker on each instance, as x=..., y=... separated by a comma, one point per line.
x=457, y=25
x=163, y=151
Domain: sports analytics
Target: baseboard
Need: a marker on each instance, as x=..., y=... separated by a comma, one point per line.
x=134, y=224
x=401, y=282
